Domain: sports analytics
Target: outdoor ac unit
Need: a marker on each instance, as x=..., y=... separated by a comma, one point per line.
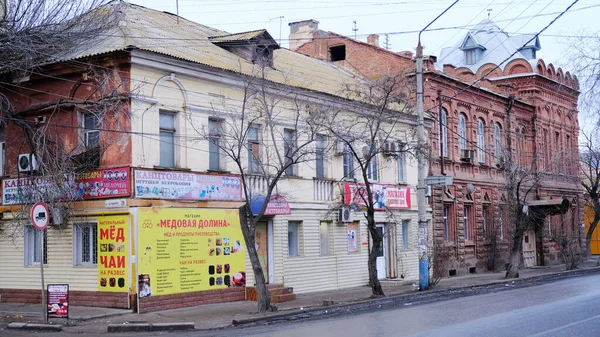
x=346, y=214
x=390, y=148
x=340, y=148
x=467, y=155
x=27, y=162
x=57, y=216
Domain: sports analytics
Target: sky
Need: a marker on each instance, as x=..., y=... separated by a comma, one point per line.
x=399, y=19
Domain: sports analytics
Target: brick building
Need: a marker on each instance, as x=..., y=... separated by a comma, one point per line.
x=542, y=128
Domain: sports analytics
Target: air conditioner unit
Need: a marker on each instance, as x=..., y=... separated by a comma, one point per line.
x=340, y=148
x=467, y=156
x=57, y=216
x=390, y=148
x=27, y=162
x=346, y=214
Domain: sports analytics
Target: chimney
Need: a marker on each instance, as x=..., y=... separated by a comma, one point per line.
x=302, y=32
x=373, y=40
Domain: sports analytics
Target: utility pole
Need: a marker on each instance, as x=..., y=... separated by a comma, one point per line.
x=422, y=172
x=354, y=29
x=387, y=42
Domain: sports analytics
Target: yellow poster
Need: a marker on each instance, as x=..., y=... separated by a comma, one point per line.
x=188, y=249
x=113, y=255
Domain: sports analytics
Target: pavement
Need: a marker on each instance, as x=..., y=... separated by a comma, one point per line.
x=93, y=320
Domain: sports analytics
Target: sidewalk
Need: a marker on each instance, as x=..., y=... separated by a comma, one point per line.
x=95, y=320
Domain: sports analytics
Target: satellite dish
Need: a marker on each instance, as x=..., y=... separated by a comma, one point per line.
x=470, y=188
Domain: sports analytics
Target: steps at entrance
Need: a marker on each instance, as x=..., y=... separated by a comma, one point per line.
x=277, y=292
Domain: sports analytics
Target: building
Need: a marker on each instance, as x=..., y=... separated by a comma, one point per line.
x=151, y=219
x=474, y=81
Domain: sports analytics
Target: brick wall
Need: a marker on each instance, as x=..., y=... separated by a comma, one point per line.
x=175, y=301
x=82, y=298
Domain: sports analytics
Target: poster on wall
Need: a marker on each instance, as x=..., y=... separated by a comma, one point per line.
x=113, y=255
x=352, y=237
x=57, y=299
x=384, y=196
x=186, y=249
x=186, y=186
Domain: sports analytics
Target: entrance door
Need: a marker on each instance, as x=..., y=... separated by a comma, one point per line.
x=382, y=254
x=529, y=256
x=262, y=247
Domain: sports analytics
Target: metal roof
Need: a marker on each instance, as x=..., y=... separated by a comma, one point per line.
x=165, y=33
x=245, y=36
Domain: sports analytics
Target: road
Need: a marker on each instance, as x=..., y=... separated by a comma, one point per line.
x=564, y=308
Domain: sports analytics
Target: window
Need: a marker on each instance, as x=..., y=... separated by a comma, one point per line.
x=348, y=158
x=447, y=220
x=320, y=156
x=467, y=216
x=214, y=151
x=401, y=168
x=462, y=132
x=289, y=149
x=167, y=138
x=373, y=164
x=497, y=141
x=501, y=218
x=480, y=141
x=253, y=150
x=405, y=241
x=2, y=148
x=324, y=236
x=443, y=136
x=471, y=56
x=568, y=153
x=485, y=213
x=557, y=150
x=91, y=134
x=33, y=247
x=294, y=238
x=338, y=53
x=85, y=243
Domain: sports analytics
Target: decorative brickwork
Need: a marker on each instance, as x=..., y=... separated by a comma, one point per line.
x=156, y=303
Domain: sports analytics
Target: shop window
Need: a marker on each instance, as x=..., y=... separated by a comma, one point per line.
x=405, y=234
x=325, y=237
x=167, y=138
x=85, y=243
x=33, y=246
x=295, y=238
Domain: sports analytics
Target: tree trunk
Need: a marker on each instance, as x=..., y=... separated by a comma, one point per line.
x=263, y=300
x=376, y=239
x=515, y=256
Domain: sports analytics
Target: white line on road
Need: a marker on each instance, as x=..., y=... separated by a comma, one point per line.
x=565, y=326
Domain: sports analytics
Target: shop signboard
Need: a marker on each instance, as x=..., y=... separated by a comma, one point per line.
x=186, y=186
x=384, y=196
x=58, y=300
x=187, y=250
x=113, y=255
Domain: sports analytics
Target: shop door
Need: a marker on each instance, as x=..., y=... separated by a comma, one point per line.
x=262, y=247
x=529, y=259
x=382, y=254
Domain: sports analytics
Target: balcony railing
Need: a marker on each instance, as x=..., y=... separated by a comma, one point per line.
x=322, y=190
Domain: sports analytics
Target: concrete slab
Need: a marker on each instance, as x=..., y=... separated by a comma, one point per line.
x=132, y=327
x=173, y=326
x=35, y=327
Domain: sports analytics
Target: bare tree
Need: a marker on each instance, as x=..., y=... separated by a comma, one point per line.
x=590, y=169
x=267, y=134
x=364, y=130
x=585, y=60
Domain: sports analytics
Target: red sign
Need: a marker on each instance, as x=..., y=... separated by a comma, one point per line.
x=58, y=301
x=105, y=183
x=384, y=196
x=278, y=205
x=40, y=215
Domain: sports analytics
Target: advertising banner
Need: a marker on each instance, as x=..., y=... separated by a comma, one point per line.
x=113, y=255
x=58, y=300
x=105, y=183
x=186, y=186
x=384, y=196
x=188, y=249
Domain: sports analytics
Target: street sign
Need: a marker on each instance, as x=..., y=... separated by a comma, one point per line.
x=40, y=216
x=439, y=180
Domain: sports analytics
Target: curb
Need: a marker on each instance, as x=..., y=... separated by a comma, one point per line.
x=145, y=327
x=411, y=298
x=34, y=327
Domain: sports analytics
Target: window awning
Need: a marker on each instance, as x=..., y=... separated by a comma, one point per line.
x=278, y=205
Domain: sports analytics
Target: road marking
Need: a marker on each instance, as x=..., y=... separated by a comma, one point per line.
x=565, y=326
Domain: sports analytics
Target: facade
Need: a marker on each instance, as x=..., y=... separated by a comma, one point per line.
x=475, y=127
x=153, y=225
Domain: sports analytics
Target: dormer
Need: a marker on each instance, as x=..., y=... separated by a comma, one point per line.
x=256, y=46
x=472, y=49
x=528, y=48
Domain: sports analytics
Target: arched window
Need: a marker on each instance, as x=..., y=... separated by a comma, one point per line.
x=443, y=134
x=480, y=141
x=462, y=132
x=497, y=141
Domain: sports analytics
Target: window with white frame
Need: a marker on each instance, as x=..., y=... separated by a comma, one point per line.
x=443, y=134
x=320, y=142
x=462, y=132
x=253, y=149
x=214, y=139
x=471, y=56
x=167, y=138
x=325, y=237
x=497, y=141
x=501, y=221
x=401, y=167
x=373, y=164
x=467, y=223
x=33, y=246
x=294, y=238
x=348, y=158
x=446, y=222
x=289, y=149
x=85, y=243
x=405, y=233
x=480, y=141
x=91, y=132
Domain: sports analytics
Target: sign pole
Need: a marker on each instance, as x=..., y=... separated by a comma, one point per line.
x=40, y=217
x=44, y=308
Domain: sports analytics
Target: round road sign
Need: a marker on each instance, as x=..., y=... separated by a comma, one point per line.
x=40, y=216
